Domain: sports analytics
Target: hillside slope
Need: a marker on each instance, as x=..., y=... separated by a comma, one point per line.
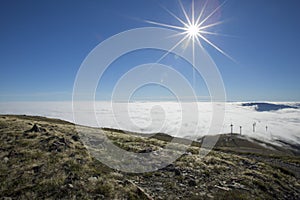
x=43, y=158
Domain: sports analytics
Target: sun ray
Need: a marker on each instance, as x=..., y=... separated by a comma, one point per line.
x=176, y=35
x=216, y=47
x=211, y=25
x=212, y=13
x=176, y=17
x=202, y=12
x=194, y=75
x=208, y=33
x=185, y=14
x=193, y=12
x=193, y=30
x=165, y=25
x=214, y=33
x=199, y=43
x=171, y=49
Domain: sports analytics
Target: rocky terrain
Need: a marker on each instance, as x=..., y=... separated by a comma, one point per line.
x=43, y=158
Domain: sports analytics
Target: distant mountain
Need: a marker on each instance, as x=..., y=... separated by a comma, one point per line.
x=261, y=107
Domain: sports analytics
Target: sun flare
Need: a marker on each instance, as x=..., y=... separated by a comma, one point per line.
x=194, y=27
x=193, y=30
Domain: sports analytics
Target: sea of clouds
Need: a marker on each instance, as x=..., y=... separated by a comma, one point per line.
x=167, y=117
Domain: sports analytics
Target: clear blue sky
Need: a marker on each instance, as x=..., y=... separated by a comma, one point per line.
x=43, y=43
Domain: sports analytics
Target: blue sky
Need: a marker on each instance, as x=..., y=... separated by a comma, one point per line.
x=43, y=43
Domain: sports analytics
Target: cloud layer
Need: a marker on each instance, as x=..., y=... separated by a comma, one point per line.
x=168, y=117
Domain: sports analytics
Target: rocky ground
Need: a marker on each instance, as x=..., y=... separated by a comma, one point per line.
x=43, y=158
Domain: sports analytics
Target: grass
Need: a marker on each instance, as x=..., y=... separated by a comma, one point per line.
x=50, y=164
x=54, y=164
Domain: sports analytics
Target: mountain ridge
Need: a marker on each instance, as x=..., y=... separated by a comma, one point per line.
x=51, y=161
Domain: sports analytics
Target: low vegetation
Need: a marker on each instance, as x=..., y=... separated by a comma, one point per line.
x=43, y=158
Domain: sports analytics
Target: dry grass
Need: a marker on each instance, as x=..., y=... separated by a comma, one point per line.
x=55, y=164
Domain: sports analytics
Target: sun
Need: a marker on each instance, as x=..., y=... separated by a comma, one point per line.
x=193, y=30
x=194, y=27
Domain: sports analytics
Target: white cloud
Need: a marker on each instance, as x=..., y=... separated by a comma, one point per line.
x=167, y=117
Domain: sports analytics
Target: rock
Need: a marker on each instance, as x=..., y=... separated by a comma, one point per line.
x=75, y=138
x=236, y=185
x=177, y=172
x=202, y=193
x=181, y=185
x=192, y=183
x=140, y=190
x=35, y=128
x=187, y=154
x=100, y=196
x=64, y=141
x=222, y=188
x=159, y=184
x=36, y=169
x=93, y=179
x=253, y=167
x=170, y=168
x=57, y=147
x=148, y=150
x=70, y=185
x=71, y=177
x=5, y=159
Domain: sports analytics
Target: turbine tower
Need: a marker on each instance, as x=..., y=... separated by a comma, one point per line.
x=254, y=125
